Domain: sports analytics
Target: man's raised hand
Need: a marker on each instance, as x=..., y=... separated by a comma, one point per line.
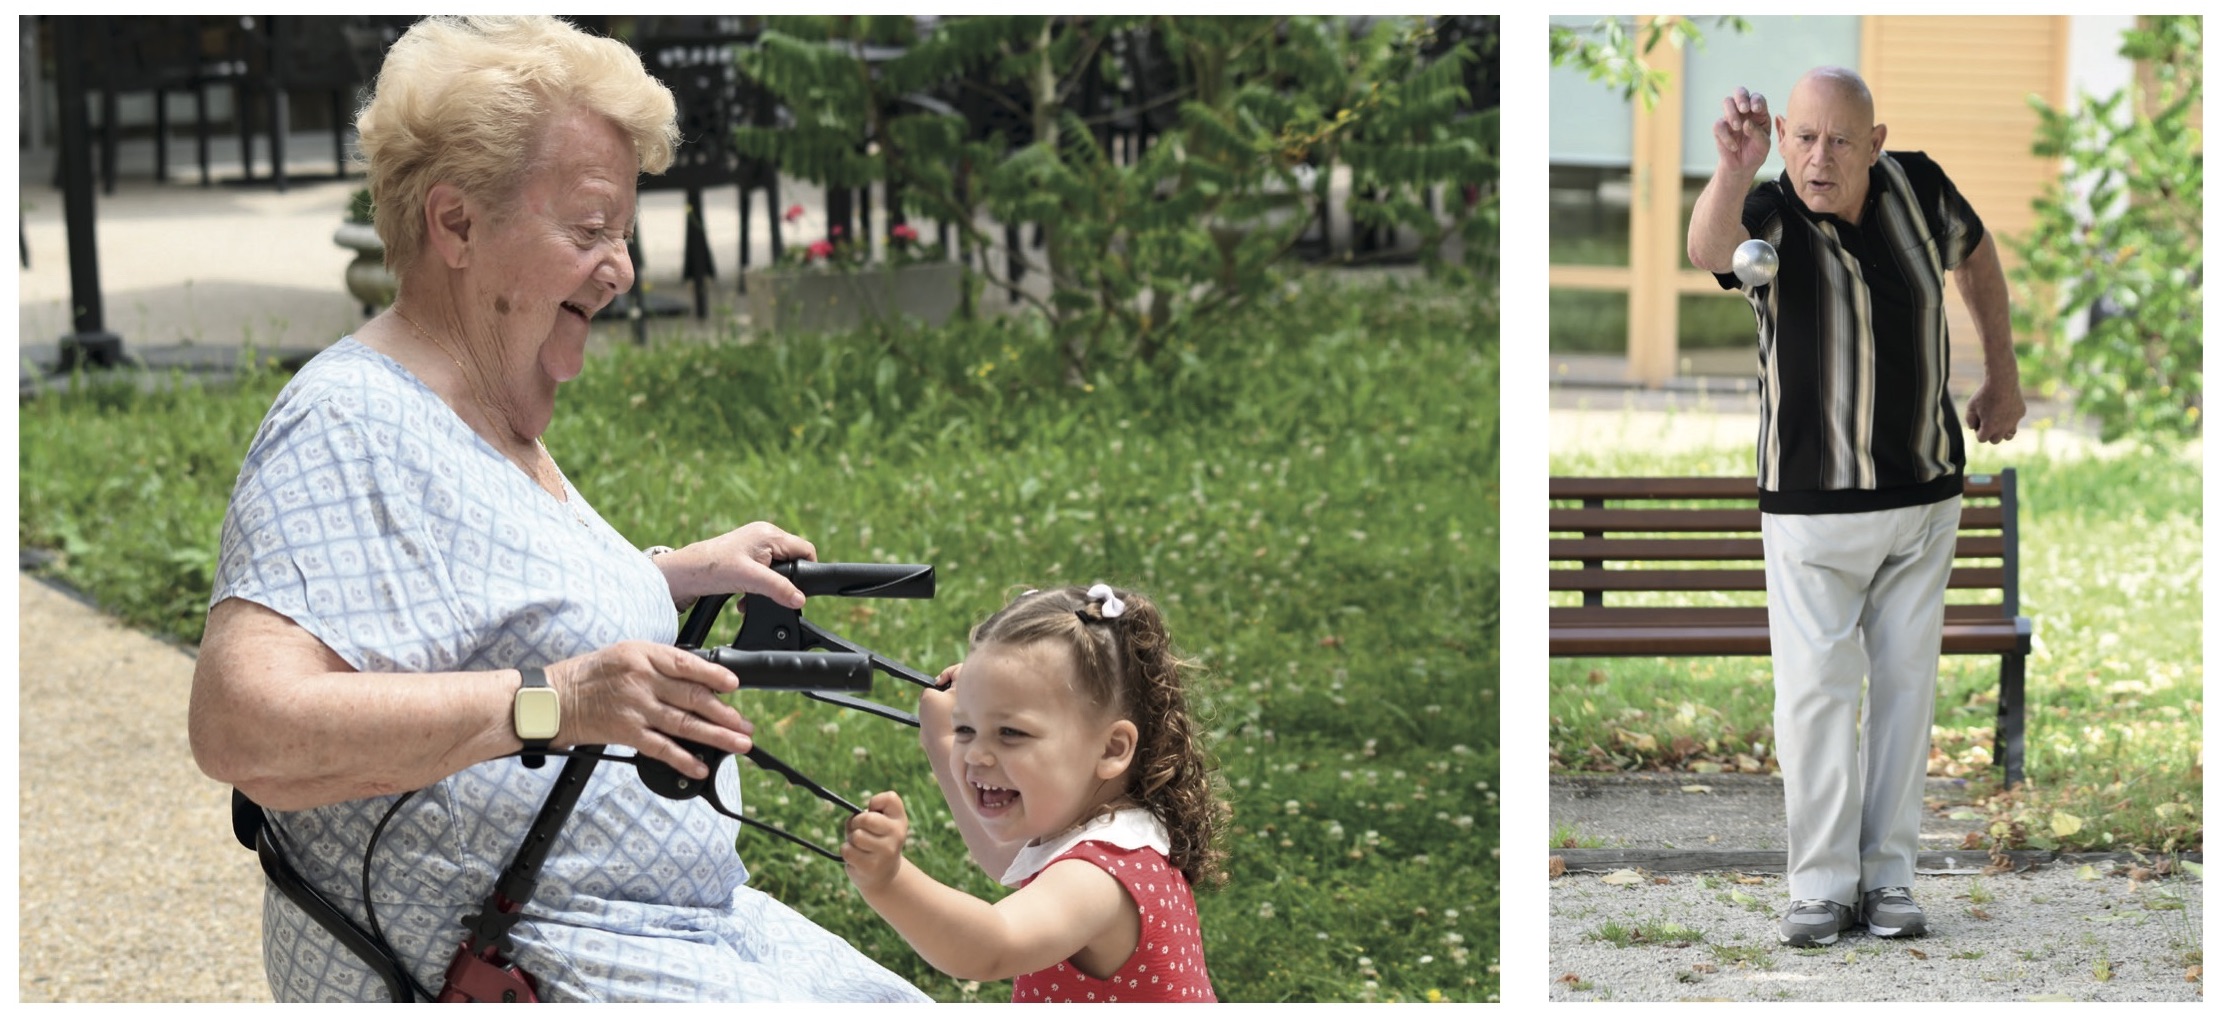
x=1743, y=133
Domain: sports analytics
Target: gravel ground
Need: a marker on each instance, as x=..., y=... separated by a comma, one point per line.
x=2064, y=932
x=2047, y=932
x=132, y=888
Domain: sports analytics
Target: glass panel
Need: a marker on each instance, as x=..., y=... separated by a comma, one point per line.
x=1586, y=322
x=1768, y=59
x=1589, y=216
x=1708, y=321
x=1588, y=124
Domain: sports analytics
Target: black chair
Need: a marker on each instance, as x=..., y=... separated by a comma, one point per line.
x=138, y=54
x=331, y=56
x=697, y=59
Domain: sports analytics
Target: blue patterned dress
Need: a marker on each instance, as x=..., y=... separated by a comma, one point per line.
x=368, y=513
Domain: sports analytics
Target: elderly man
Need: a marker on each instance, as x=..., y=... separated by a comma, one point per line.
x=1860, y=465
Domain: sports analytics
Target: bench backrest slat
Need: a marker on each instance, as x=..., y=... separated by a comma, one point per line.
x=1703, y=534
x=1702, y=520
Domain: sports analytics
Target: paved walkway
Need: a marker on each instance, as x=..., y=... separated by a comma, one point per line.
x=132, y=888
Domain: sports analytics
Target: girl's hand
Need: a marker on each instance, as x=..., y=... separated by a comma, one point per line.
x=936, y=705
x=647, y=696
x=874, y=840
x=736, y=562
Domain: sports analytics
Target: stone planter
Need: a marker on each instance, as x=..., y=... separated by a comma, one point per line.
x=367, y=278
x=819, y=300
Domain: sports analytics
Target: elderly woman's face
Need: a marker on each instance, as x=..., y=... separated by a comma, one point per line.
x=559, y=257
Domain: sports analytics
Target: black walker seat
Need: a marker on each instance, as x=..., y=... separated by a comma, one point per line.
x=1625, y=533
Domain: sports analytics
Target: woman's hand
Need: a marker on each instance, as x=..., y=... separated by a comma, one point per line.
x=736, y=562
x=649, y=696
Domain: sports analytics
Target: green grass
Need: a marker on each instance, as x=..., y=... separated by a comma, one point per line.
x=2111, y=556
x=1747, y=956
x=1645, y=932
x=1309, y=489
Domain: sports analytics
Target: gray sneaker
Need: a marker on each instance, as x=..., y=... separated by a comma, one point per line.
x=1890, y=913
x=1814, y=922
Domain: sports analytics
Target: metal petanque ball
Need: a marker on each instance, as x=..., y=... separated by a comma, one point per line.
x=1755, y=263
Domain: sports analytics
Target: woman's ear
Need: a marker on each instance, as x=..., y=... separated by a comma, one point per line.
x=1119, y=750
x=447, y=225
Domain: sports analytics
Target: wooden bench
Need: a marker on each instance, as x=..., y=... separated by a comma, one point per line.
x=1634, y=534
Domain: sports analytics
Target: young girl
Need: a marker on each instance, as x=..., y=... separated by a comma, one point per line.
x=1075, y=773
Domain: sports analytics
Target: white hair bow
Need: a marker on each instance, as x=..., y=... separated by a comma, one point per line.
x=1111, y=606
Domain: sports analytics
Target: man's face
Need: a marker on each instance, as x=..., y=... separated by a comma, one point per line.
x=1829, y=144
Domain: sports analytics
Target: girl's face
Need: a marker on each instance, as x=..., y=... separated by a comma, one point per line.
x=1035, y=753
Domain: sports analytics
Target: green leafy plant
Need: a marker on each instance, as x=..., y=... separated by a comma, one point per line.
x=981, y=121
x=359, y=208
x=1604, y=50
x=2117, y=244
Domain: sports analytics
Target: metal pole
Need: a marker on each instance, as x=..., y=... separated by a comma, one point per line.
x=89, y=342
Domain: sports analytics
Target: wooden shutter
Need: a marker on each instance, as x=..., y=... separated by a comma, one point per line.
x=1955, y=88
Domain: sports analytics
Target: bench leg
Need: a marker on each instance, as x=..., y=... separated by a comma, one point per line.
x=2010, y=720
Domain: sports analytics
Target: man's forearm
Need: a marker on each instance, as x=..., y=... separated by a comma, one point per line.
x=1715, y=230
x=1987, y=295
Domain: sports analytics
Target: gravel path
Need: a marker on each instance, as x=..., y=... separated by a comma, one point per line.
x=2047, y=932
x=2066, y=932
x=132, y=888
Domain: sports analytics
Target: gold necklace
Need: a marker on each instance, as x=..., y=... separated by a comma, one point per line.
x=486, y=410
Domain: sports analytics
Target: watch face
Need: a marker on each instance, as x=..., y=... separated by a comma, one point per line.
x=538, y=713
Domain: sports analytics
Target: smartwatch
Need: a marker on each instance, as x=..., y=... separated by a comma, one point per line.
x=538, y=714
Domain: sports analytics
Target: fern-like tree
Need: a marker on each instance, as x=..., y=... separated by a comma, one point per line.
x=1013, y=121
x=2111, y=272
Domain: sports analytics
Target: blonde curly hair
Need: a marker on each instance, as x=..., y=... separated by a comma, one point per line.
x=465, y=100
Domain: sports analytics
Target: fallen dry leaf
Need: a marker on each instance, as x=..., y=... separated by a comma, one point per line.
x=1982, y=915
x=1555, y=866
x=1748, y=880
x=1919, y=953
x=1974, y=841
x=2140, y=874
x=2195, y=973
x=1622, y=877
x=1568, y=979
x=1704, y=968
x=1660, y=880
x=1697, y=789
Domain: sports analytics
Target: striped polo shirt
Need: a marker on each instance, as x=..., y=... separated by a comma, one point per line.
x=1852, y=344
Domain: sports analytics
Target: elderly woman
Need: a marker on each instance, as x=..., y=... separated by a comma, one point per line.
x=402, y=559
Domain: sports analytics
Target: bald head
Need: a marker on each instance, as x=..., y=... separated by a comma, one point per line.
x=1829, y=142
x=1838, y=84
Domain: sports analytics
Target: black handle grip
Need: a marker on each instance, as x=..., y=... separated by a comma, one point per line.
x=832, y=671
x=887, y=581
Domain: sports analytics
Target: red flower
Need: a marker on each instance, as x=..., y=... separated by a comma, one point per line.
x=838, y=230
x=820, y=249
x=793, y=213
x=904, y=233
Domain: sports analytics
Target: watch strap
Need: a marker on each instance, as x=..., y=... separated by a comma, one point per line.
x=535, y=750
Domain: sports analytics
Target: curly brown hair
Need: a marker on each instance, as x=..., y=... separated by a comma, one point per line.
x=1126, y=665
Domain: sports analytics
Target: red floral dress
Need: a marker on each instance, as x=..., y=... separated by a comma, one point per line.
x=1167, y=964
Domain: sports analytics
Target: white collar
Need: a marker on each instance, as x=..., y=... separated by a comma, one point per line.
x=1130, y=829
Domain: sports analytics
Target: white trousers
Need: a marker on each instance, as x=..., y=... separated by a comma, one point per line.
x=1854, y=598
